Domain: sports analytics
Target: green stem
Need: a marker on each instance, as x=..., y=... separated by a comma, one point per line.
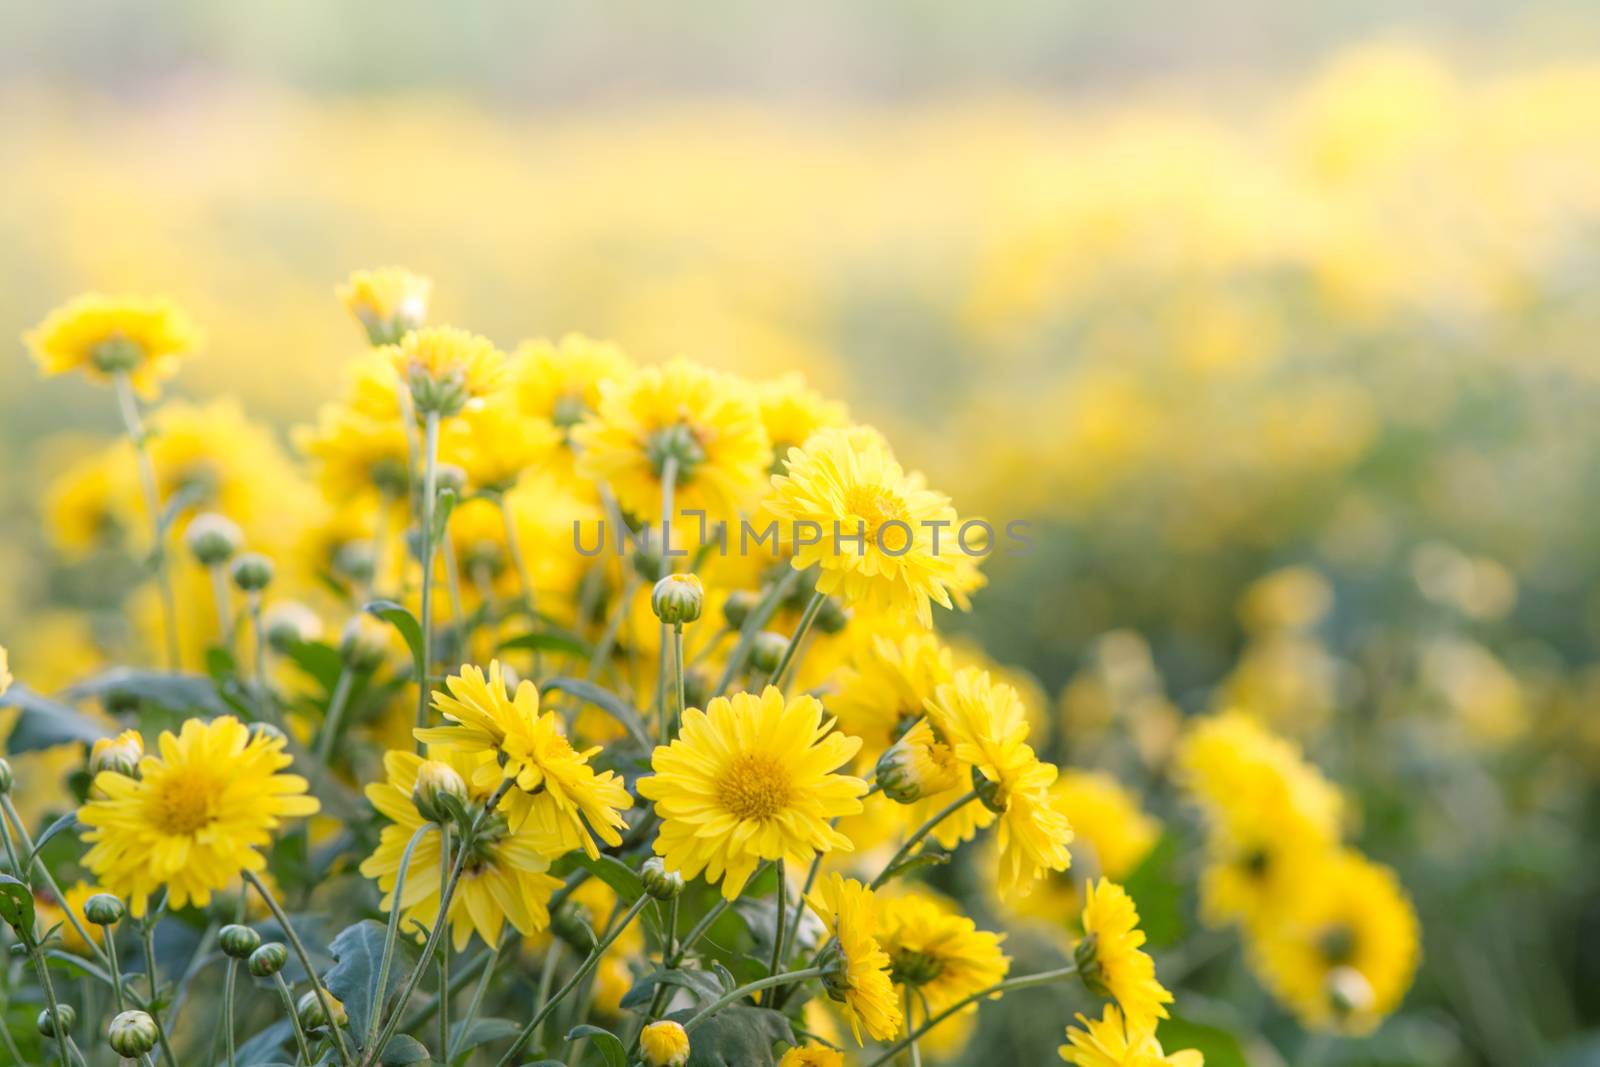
x=813, y=606
x=294, y=1017
x=224, y=605
x=452, y=585
x=547, y=977
x=430, y=485
x=228, y=998
x=754, y=623
x=323, y=996
x=779, y=928
x=129, y=408
x=916, y=1056
x=386, y=960
x=769, y=982
x=147, y=930
x=444, y=949
x=476, y=1003
x=268, y=710
x=332, y=721
x=588, y=965
x=49, y=996
x=916, y=839
x=1011, y=984
x=36, y=865
x=115, y=970
x=677, y=667
x=514, y=549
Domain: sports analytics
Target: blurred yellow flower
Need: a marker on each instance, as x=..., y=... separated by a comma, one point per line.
x=1110, y=1041
x=105, y=336
x=445, y=368
x=388, y=302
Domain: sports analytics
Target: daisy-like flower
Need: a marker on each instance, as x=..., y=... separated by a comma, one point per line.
x=1110, y=959
x=445, y=368
x=503, y=879
x=1107, y=823
x=1109, y=1041
x=105, y=336
x=1343, y=951
x=887, y=686
x=354, y=456
x=883, y=538
x=857, y=968
x=704, y=422
x=987, y=725
x=791, y=412
x=558, y=795
x=939, y=953
x=811, y=1056
x=496, y=443
x=751, y=779
x=195, y=816
x=388, y=302
x=558, y=386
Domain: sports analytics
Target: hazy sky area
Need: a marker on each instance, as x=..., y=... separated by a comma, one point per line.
x=530, y=54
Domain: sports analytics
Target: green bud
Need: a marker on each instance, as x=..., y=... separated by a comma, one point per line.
x=58, y=1022
x=268, y=960
x=131, y=1034
x=659, y=882
x=677, y=599
x=238, y=941
x=252, y=572
x=289, y=623
x=104, y=909
x=451, y=477
x=213, y=538
x=364, y=644
x=440, y=791
x=353, y=560
x=737, y=607
x=831, y=618
x=766, y=650
x=314, y=1016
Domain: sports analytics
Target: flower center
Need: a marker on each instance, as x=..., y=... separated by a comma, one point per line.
x=1338, y=944
x=873, y=506
x=183, y=803
x=755, y=787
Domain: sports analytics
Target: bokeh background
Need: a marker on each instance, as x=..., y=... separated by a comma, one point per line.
x=1278, y=322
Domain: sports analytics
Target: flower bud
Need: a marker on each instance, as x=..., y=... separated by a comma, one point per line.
x=5, y=778
x=268, y=730
x=659, y=882
x=237, y=941
x=437, y=784
x=1349, y=992
x=647, y=561
x=571, y=924
x=450, y=476
x=664, y=1044
x=314, y=1016
x=289, y=623
x=104, y=909
x=59, y=1021
x=252, y=572
x=831, y=618
x=213, y=538
x=354, y=561
x=120, y=754
x=989, y=793
x=268, y=960
x=1086, y=954
x=131, y=1034
x=737, y=607
x=917, y=765
x=388, y=302
x=677, y=599
x=766, y=650
x=364, y=644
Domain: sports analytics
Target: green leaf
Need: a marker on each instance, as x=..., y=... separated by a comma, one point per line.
x=16, y=907
x=481, y=1032
x=547, y=641
x=609, y=1044
x=737, y=1036
x=606, y=701
x=45, y=723
x=409, y=628
x=66, y=822
x=1221, y=1049
x=317, y=659
x=357, y=952
x=614, y=873
x=403, y=1050
x=183, y=694
x=1156, y=890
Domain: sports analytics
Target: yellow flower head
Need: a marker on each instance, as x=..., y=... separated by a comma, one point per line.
x=792, y=412
x=503, y=881
x=354, y=456
x=195, y=816
x=1110, y=1042
x=1110, y=960
x=858, y=976
x=105, y=336
x=703, y=422
x=938, y=952
x=812, y=1056
x=1106, y=822
x=664, y=1043
x=896, y=547
x=987, y=725
x=1343, y=951
x=558, y=794
x=887, y=686
x=495, y=443
x=446, y=367
x=388, y=302
x=81, y=503
x=751, y=779
x=557, y=386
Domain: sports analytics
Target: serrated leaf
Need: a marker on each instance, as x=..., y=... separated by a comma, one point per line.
x=606, y=701
x=614, y=873
x=609, y=1044
x=702, y=985
x=737, y=1036
x=404, y=1050
x=410, y=629
x=16, y=907
x=45, y=723
x=357, y=951
x=184, y=694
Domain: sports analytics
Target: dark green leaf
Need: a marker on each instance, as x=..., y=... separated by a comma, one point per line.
x=45, y=723
x=614, y=873
x=409, y=628
x=1156, y=890
x=609, y=1044
x=16, y=907
x=357, y=952
x=66, y=822
x=737, y=1036
x=402, y=1050
x=320, y=661
x=184, y=694
x=606, y=701
x=1221, y=1049
x=704, y=986
x=481, y=1032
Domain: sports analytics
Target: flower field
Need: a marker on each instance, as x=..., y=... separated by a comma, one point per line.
x=1002, y=579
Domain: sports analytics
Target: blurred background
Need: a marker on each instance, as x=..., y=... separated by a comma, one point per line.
x=1277, y=321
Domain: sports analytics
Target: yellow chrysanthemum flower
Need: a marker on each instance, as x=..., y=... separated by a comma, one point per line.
x=704, y=421
x=896, y=547
x=558, y=386
x=355, y=456
x=751, y=779
x=446, y=367
x=1343, y=952
x=387, y=302
x=81, y=513
x=938, y=953
x=503, y=881
x=1107, y=823
x=791, y=411
x=558, y=794
x=496, y=443
x=887, y=686
x=194, y=817
x=987, y=725
x=1110, y=1042
x=858, y=977
x=1110, y=960
x=812, y=1056
x=106, y=335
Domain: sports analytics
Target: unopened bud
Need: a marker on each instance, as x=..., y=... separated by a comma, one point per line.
x=1349, y=992
x=289, y=623
x=766, y=651
x=131, y=1034
x=268, y=960
x=438, y=785
x=664, y=1044
x=364, y=644
x=659, y=882
x=57, y=1021
x=104, y=909
x=917, y=765
x=237, y=941
x=737, y=607
x=313, y=1015
x=120, y=754
x=252, y=572
x=213, y=538
x=677, y=599
x=5, y=777
x=354, y=560
x=831, y=618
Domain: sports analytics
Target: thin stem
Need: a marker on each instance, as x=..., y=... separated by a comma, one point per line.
x=430, y=484
x=677, y=668
x=228, y=998
x=305, y=961
x=452, y=585
x=699, y=930
x=800, y=912
x=1025, y=982
x=547, y=977
x=769, y=982
x=224, y=604
x=116, y=971
x=37, y=865
x=669, y=480
x=757, y=620
x=263, y=690
x=779, y=928
x=916, y=839
x=514, y=549
x=444, y=951
x=588, y=965
x=147, y=929
x=476, y=1003
x=669, y=944
x=294, y=1017
x=332, y=721
x=804, y=627
x=385, y=961
x=916, y=1056
x=49, y=996
x=129, y=409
